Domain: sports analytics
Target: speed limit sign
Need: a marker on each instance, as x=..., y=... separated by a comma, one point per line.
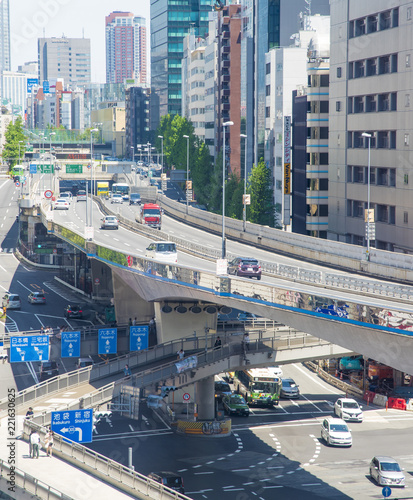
x=48, y=194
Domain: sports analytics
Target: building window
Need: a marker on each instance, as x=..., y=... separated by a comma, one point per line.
x=267, y=112
x=338, y=105
x=406, y=179
x=409, y=13
x=323, y=106
x=359, y=69
x=394, y=63
x=359, y=104
x=385, y=20
x=395, y=17
x=324, y=80
x=339, y=72
x=351, y=29
x=406, y=139
x=383, y=102
x=360, y=26
x=407, y=60
x=384, y=65
x=371, y=69
x=393, y=101
x=372, y=24
x=392, y=139
x=407, y=100
x=383, y=139
x=350, y=70
x=371, y=105
x=268, y=90
x=405, y=217
x=268, y=68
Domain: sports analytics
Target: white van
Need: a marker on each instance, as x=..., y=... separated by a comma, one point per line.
x=164, y=251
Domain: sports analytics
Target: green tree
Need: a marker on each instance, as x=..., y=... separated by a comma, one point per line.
x=202, y=171
x=233, y=198
x=14, y=134
x=261, y=210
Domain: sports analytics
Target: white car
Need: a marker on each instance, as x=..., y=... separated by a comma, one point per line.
x=116, y=198
x=348, y=409
x=335, y=432
x=387, y=472
x=61, y=204
x=164, y=251
x=66, y=196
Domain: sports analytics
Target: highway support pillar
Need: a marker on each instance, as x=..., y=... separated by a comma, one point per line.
x=205, y=398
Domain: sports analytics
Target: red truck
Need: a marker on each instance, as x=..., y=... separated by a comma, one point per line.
x=150, y=215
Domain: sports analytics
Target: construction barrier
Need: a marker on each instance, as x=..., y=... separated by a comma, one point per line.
x=369, y=396
x=380, y=400
x=205, y=427
x=396, y=403
x=409, y=405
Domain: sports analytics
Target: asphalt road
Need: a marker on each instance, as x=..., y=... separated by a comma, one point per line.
x=271, y=454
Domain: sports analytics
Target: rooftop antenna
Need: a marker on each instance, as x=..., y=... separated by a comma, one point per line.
x=83, y=32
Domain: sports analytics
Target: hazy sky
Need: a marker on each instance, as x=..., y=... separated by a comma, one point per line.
x=28, y=19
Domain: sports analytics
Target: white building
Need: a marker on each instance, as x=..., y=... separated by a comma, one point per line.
x=14, y=90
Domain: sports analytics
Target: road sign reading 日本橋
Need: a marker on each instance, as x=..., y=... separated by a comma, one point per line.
x=70, y=344
x=139, y=338
x=76, y=425
x=108, y=340
x=29, y=348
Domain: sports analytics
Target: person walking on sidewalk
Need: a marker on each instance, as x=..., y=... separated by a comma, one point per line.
x=35, y=441
x=48, y=443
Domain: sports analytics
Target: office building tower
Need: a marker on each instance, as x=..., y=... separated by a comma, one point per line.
x=125, y=48
x=370, y=101
x=170, y=23
x=67, y=58
x=136, y=119
x=5, y=64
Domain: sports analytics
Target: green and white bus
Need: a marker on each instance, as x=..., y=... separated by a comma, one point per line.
x=263, y=385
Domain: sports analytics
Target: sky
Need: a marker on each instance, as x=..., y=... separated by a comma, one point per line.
x=28, y=19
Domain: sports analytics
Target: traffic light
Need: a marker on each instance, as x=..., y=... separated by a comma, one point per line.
x=166, y=389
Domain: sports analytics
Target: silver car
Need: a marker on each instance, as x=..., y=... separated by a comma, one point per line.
x=386, y=472
x=289, y=389
x=109, y=222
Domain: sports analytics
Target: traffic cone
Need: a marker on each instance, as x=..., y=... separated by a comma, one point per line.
x=336, y=372
x=341, y=375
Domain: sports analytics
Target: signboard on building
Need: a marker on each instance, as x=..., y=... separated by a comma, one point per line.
x=46, y=87
x=287, y=172
x=74, y=169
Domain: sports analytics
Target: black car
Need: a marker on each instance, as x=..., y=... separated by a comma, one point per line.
x=73, y=311
x=222, y=389
x=245, y=266
x=134, y=199
x=169, y=479
x=48, y=369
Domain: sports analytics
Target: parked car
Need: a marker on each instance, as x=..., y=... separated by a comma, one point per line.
x=165, y=251
x=235, y=405
x=48, y=369
x=169, y=479
x=348, y=409
x=83, y=362
x=116, y=198
x=73, y=311
x=61, y=204
x=135, y=199
x=222, y=389
x=12, y=301
x=245, y=266
x=289, y=389
x=36, y=298
x=386, y=471
x=335, y=432
x=81, y=195
x=109, y=222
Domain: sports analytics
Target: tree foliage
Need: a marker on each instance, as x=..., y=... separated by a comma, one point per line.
x=14, y=134
x=261, y=210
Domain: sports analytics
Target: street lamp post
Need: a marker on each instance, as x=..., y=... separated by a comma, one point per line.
x=225, y=124
x=244, y=209
x=161, y=138
x=187, y=170
x=365, y=134
x=91, y=176
x=149, y=153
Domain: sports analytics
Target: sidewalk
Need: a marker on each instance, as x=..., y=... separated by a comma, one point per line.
x=62, y=476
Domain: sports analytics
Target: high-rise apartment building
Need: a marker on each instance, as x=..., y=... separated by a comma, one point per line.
x=170, y=23
x=67, y=58
x=5, y=64
x=125, y=48
x=370, y=101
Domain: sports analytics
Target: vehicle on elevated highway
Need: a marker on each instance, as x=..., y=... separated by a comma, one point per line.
x=135, y=199
x=81, y=195
x=73, y=311
x=48, y=369
x=116, y=198
x=164, y=251
x=169, y=479
x=61, y=204
x=245, y=266
x=67, y=195
x=109, y=222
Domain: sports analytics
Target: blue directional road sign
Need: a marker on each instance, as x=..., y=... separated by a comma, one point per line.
x=29, y=348
x=33, y=168
x=76, y=425
x=70, y=344
x=386, y=491
x=139, y=338
x=108, y=340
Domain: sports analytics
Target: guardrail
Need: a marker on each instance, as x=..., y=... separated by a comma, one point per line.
x=114, y=473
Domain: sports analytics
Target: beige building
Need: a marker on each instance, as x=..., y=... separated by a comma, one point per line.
x=110, y=119
x=371, y=90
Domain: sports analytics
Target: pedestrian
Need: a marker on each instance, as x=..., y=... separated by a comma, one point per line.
x=218, y=343
x=247, y=341
x=48, y=442
x=181, y=354
x=134, y=321
x=35, y=440
x=127, y=371
x=130, y=321
x=41, y=330
x=29, y=413
x=31, y=444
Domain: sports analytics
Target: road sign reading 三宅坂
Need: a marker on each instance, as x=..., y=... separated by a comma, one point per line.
x=107, y=341
x=70, y=345
x=29, y=348
x=138, y=340
x=76, y=425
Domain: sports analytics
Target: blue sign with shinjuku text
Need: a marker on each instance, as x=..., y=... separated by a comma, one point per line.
x=29, y=348
x=33, y=168
x=108, y=341
x=386, y=491
x=139, y=338
x=76, y=425
x=31, y=82
x=70, y=345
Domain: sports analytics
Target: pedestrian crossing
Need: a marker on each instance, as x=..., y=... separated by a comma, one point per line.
x=7, y=250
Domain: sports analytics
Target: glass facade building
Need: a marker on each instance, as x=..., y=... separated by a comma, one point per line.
x=5, y=64
x=171, y=21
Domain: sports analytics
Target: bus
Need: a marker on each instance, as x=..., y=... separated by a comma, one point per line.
x=122, y=189
x=17, y=172
x=263, y=385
